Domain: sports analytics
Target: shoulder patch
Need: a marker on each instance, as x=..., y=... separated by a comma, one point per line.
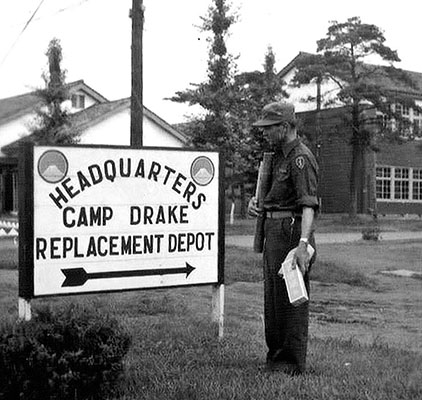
x=300, y=162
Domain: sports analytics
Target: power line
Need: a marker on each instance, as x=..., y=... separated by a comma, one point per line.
x=22, y=31
x=60, y=10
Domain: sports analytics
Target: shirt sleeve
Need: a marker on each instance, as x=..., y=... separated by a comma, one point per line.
x=304, y=172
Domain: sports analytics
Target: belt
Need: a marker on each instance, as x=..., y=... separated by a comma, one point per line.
x=282, y=214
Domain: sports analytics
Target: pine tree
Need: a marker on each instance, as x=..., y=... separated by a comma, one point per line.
x=215, y=96
x=341, y=59
x=52, y=122
x=214, y=129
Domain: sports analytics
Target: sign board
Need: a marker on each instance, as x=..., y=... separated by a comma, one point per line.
x=98, y=219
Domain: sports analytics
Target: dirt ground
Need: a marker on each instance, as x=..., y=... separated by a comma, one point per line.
x=388, y=311
x=391, y=315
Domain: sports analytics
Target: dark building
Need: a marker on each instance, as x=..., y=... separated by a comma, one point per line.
x=390, y=177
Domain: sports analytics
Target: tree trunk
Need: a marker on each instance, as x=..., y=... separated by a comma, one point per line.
x=357, y=180
x=353, y=205
x=242, y=201
x=357, y=164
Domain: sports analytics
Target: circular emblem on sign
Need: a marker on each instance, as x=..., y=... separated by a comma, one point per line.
x=52, y=166
x=202, y=171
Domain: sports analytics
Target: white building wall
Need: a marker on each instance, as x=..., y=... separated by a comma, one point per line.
x=116, y=131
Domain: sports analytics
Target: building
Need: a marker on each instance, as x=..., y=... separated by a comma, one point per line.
x=391, y=174
x=99, y=120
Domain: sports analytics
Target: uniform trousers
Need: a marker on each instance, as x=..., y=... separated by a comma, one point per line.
x=286, y=326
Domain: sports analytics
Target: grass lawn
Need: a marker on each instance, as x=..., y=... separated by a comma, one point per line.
x=365, y=331
x=337, y=224
x=8, y=253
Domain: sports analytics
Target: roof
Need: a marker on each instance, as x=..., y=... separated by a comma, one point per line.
x=99, y=112
x=381, y=78
x=81, y=85
x=16, y=106
x=292, y=63
x=90, y=116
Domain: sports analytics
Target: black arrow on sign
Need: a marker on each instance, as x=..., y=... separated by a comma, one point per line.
x=78, y=276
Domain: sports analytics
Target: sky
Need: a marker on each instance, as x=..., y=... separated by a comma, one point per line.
x=96, y=38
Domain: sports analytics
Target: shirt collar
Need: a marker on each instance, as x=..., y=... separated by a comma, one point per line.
x=290, y=146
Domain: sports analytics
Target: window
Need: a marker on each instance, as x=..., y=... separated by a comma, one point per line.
x=15, y=187
x=401, y=183
x=383, y=121
x=383, y=182
x=417, y=184
x=402, y=109
x=398, y=184
x=78, y=101
x=408, y=120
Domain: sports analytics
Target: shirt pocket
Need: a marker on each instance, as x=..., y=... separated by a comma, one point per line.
x=282, y=175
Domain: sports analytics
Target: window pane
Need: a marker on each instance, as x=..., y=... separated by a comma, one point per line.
x=401, y=173
x=383, y=189
x=401, y=190
x=417, y=190
x=383, y=172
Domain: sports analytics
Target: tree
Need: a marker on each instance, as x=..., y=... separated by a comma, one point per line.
x=52, y=122
x=253, y=91
x=215, y=95
x=341, y=59
x=214, y=130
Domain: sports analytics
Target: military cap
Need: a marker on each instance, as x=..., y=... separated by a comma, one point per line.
x=276, y=113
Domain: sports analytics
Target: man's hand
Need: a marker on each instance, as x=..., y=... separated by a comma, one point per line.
x=253, y=209
x=301, y=257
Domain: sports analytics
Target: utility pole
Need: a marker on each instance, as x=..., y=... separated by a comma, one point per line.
x=136, y=104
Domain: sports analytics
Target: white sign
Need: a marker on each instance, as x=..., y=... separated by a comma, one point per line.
x=110, y=219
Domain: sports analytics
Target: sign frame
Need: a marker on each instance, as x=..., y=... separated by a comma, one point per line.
x=26, y=221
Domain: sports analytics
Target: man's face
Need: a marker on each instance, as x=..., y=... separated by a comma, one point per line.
x=275, y=134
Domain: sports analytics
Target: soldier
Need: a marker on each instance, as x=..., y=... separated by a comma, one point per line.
x=289, y=209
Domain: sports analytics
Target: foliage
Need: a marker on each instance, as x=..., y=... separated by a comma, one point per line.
x=75, y=353
x=341, y=59
x=255, y=89
x=52, y=122
x=231, y=102
x=215, y=96
x=371, y=233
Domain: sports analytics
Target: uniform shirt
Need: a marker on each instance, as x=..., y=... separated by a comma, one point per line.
x=294, y=178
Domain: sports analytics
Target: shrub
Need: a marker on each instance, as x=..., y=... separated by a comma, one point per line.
x=73, y=353
x=371, y=233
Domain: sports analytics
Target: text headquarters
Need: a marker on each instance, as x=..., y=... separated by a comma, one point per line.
x=174, y=217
